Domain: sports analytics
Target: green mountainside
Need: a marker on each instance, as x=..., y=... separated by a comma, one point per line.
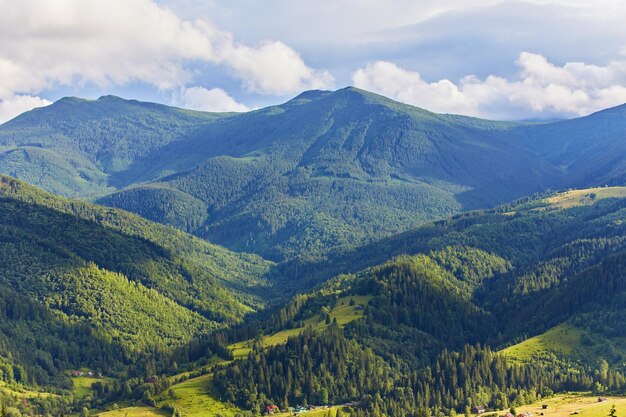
x=432, y=268
x=514, y=272
x=411, y=326
x=100, y=287
x=324, y=171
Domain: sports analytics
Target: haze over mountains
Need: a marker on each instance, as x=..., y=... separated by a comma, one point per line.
x=324, y=170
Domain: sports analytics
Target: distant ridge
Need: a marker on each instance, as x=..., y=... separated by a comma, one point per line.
x=327, y=169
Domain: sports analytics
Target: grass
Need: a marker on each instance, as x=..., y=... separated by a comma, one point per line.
x=342, y=311
x=135, y=412
x=563, y=339
x=585, y=197
x=582, y=405
x=82, y=385
x=197, y=397
x=23, y=393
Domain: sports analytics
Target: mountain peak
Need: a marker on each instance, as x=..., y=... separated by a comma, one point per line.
x=312, y=95
x=110, y=97
x=70, y=99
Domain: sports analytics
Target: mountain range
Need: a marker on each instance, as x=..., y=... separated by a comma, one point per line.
x=340, y=248
x=325, y=170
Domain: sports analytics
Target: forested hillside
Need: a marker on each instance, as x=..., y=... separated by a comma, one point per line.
x=99, y=287
x=324, y=172
x=104, y=289
x=475, y=283
x=405, y=301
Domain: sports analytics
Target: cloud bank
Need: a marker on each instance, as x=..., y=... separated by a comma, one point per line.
x=117, y=42
x=215, y=100
x=229, y=56
x=542, y=89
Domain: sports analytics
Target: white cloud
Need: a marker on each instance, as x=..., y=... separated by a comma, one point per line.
x=274, y=68
x=116, y=42
x=392, y=81
x=214, y=100
x=541, y=90
x=15, y=105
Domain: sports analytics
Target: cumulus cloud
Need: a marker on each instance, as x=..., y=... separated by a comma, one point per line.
x=392, y=81
x=542, y=89
x=14, y=105
x=214, y=100
x=117, y=42
x=274, y=68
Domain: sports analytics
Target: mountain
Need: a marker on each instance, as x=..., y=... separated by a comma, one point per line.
x=526, y=266
x=83, y=147
x=410, y=325
x=433, y=319
x=99, y=287
x=589, y=150
x=324, y=171
x=420, y=292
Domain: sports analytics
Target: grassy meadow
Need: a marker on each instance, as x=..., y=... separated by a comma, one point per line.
x=586, y=197
x=563, y=339
x=342, y=311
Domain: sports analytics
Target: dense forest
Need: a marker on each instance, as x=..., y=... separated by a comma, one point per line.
x=102, y=288
x=435, y=318
x=359, y=275
x=320, y=174
x=322, y=368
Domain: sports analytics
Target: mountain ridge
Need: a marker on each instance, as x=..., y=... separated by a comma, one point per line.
x=325, y=170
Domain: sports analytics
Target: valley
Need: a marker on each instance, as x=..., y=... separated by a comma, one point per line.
x=331, y=250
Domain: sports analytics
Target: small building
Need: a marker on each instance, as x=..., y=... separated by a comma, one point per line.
x=508, y=415
x=544, y=407
x=602, y=399
x=478, y=409
x=77, y=373
x=359, y=307
x=525, y=414
x=271, y=409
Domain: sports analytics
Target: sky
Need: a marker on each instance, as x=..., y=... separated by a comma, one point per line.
x=504, y=60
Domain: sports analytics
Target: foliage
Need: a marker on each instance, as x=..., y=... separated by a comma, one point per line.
x=323, y=172
x=99, y=288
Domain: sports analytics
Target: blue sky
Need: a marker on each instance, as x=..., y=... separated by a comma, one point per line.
x=494, y=59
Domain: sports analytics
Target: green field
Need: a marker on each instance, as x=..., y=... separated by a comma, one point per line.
x=342, y=311
x=23, y=393
x=563, y=339
x=196, y=398
x=576, y=404
x=135, y=412
x=82, y=384
x=585, y=197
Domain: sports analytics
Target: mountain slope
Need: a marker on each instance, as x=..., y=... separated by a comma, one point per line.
x=432, y=318
x=326, y=170
x=529, y=265
x=589, y=150
x=75, y=270
x=76, y=147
